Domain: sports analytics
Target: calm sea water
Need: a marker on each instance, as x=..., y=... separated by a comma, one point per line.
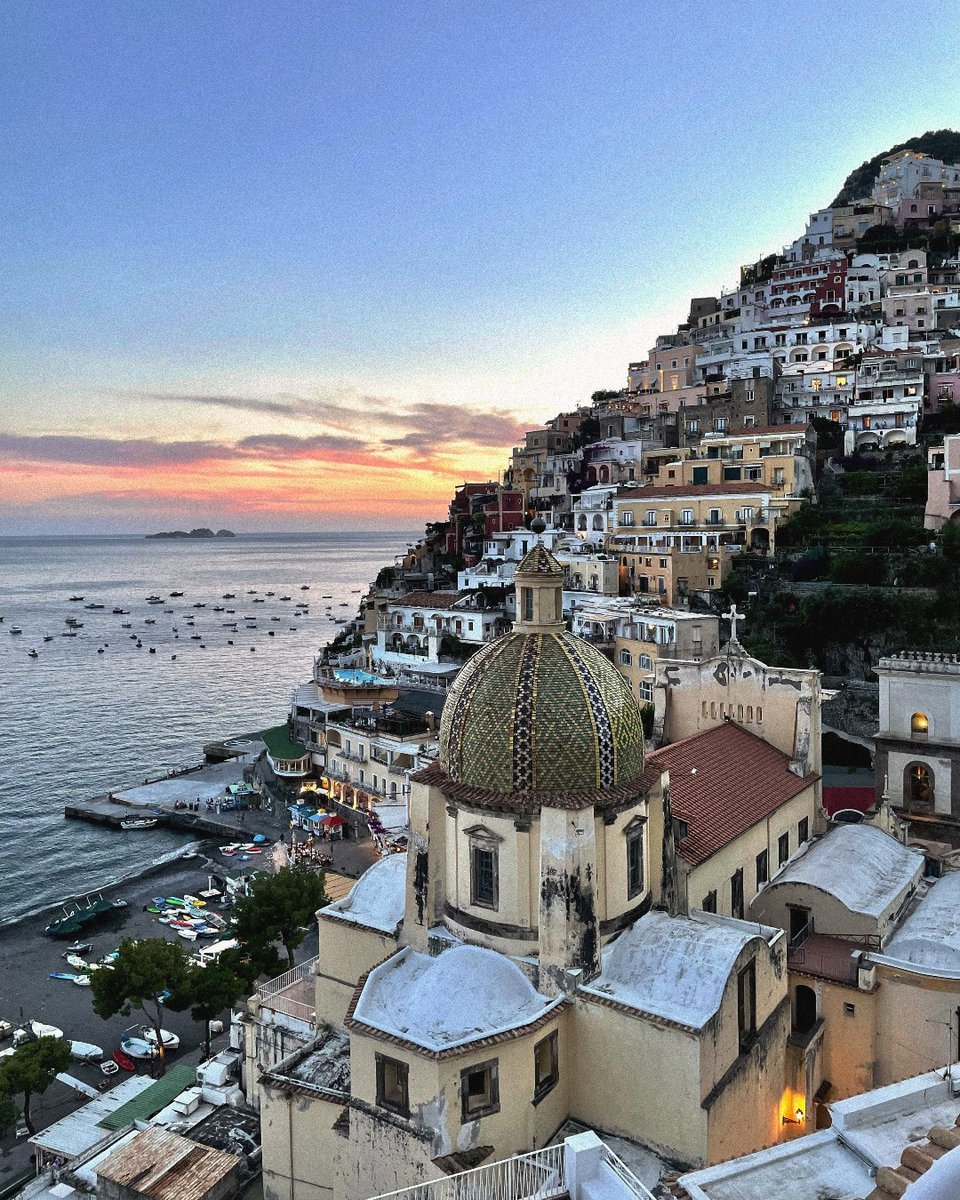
x=75, y=723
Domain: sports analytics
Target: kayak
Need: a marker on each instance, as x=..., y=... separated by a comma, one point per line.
x=62, y=975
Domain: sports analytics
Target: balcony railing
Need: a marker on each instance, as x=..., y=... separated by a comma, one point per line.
x=553, y=1171
x=292, y=992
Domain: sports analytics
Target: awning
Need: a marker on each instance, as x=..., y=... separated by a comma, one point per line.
x=332, y=822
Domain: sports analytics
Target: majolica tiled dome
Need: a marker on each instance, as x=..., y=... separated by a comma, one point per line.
x=541, y=711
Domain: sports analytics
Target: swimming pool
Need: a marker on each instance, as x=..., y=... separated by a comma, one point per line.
x=355, y=675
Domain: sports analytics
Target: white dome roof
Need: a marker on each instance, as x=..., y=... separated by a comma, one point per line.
x=466, y=993
x=377, y=898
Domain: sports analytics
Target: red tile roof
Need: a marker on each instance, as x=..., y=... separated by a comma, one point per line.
x=722, y=782
x=422, y=599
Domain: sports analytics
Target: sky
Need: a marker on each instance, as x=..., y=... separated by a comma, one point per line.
x=297, y=266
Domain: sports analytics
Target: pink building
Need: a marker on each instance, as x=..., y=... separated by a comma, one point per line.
x=943, y=388
x=943, y=484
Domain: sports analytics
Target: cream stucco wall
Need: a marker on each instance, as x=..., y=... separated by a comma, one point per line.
x=636, y=1075
x=715, y=873
x=299, y=1145
x=346, y=951
x=830, y=916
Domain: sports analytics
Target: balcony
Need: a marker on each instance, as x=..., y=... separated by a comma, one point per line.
x=829, y=956
x=291, y=995
x=581, y=1167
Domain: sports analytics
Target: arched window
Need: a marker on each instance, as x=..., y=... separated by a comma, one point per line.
x=759, y=715
x=919, y=725
x=804, y=1009
x=920, y=790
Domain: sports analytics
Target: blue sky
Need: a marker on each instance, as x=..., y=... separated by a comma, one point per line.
x=482, y=206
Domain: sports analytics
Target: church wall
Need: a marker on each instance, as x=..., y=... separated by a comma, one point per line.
x=435, y=1092
x=742, y=1090
x=638, y=1079
x=778, y=704
x=380, y=1156
x=345, y=952
x=613, y=901
x=426, y=866
x=299, y=1145
x=716, y=872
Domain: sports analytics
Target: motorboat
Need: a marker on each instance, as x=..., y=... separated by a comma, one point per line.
x=138, y=822
x=86, y=1051
x=48, y=637
x=32, y=654
x=175, y=595
x=82, y=981
x=30, y=1031
x=80, y=948
x=304, y=587
x=229, y=596
x=16, y=630
x=121, y=612
x=170, y=1040
x=76, y=597
x=75, y=961
x=73, y=623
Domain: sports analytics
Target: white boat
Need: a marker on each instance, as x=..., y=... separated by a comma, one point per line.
x=30, y=1030
x=86, y=1051
x=75, y=961
x=109, y=1067
x=170, y=1040
x=138, y=1047
x=138, y=822
x=82, y=981
x=188, y=935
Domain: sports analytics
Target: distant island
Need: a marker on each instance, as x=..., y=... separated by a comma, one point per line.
x=194, y=533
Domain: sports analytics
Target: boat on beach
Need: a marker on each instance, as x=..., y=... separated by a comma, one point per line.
x=123, y=1060
x=86, y=1051
x=170, y=1040
x=30, y=1031
x=70, y=924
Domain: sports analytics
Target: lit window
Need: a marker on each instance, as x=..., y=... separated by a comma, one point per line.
x=919, y=724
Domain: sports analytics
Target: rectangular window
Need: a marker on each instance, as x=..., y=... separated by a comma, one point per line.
x=783, y=848
x=849, y=1010
x=483, y=876
x=803, y=831
x=736, y=893
x=527, y=603
x=747, y=1005
x=635, y=863
x=479, y=1090
x=709, y=902
x=686, y=516
x=392, y=1085
x=626, y=518
x=546, y=1066
x=625, y=658
x=761, y=868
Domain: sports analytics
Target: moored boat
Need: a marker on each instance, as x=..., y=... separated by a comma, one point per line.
x=86, y=1051
x=138, y=822
x=123, y=1060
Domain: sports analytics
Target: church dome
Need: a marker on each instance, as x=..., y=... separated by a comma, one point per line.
x=540, y=710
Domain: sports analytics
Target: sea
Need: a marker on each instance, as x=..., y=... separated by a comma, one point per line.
x=95, y=712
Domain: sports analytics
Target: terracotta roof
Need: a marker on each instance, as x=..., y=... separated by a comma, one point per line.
x=680, y=490
x=618, y=796
x=435, y=600
x=722, y=782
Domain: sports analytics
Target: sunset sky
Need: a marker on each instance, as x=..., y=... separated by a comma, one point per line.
x=295, y=266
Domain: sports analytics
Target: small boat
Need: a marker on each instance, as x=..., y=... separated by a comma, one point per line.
x=76, y=597
x=271, y=593
x=16, y=630
x=189, y=935
x=218, y=608
x=73, y=623
x=123, y=1060
x=153, y=599
x=170, y=1040
x=229, y=596
x=86, y=1051
x=195, y=901
x=326, y=596
x=94, y=606
x=259, y=600
x=229, y=851
x=80, y=948
x=71, y=633
x=62, y=975
x=32, y=654
x=109, y=1067
x=175, y=595
x=153, y=649
x=284, y=597
x=138, y=822
x=304, y=587
x=127, y=625
x=75, y=961
x=82, y=981
x=199, y=605
x=48, y=637
x=149, y=621
x=121, y=612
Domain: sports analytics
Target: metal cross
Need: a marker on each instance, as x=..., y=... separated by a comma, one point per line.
x=733, y=617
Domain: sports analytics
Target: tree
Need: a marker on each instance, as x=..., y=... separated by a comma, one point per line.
x=280, y=908
x=142, y=972
x=30, y=1070
x=207, y=992
x=8, y=1113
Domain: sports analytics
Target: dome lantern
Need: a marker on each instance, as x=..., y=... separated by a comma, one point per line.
x=539, y=583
